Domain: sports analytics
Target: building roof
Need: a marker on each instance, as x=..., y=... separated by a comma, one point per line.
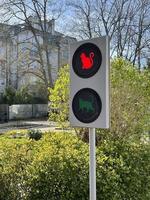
x=13, y=30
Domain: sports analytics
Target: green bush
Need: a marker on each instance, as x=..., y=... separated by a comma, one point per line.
x=34, y=134
x=123, y=171
x=15, y=156
x=18, y=133
x=28, y=94
x=23, y=96
x=130, y=97
x=20, y=96
x=60, y=169
x=39, y=92
x=59, y=97
x=56, y=167
x=9, y=95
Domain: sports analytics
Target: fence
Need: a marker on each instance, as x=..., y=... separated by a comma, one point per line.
x=4, y=112
x=22, y=111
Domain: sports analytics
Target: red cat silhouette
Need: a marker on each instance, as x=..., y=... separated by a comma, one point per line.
x=87, y=62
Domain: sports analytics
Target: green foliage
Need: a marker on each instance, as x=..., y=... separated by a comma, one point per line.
x=39, y=92
x=9, y=95
x=20, y=133
x=23, y=96
x=130, y=98
x=58, y=97
x=20, y=96
x=56, y=167
x=60, y=169
x=34, y=134
x=120, y=170
x=15, y=155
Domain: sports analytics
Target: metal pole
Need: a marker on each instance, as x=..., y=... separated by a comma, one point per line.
x=92, y=164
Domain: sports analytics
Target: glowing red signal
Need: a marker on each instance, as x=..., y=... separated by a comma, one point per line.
x=87, y=61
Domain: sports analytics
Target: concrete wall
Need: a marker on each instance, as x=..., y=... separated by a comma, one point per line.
x=39, y=110
x=26, y=111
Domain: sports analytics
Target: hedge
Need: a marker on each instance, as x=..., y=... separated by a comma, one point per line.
x=56, y=168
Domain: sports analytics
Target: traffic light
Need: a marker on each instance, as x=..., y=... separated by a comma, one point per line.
x=89, y=83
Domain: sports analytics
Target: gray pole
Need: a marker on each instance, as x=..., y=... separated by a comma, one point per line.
x=92, y=164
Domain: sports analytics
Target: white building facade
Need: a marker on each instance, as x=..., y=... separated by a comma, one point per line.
x=20, y=61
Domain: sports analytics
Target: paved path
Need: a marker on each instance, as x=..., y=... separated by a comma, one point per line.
x=40, y=124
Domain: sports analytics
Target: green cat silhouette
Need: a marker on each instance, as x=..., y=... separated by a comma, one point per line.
x=85, y=105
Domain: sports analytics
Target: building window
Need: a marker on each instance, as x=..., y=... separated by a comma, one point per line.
x=65, y=55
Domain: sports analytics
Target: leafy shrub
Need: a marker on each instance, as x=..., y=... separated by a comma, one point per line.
x=59, y=96
x=34, y=134
x=123, y=170
x=15, y=155
x=23, y=96
x=56, y=167
x=130, y=97
x=9, y=95
x=19, y=133
x=39, y=92
x=20, y=96
x=60, y=169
